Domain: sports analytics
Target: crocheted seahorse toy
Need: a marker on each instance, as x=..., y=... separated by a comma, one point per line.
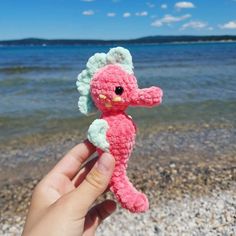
x=109, y=85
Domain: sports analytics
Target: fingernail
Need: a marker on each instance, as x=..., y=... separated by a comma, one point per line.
x=105, y=162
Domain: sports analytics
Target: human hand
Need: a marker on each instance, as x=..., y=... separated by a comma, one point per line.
x=62, y=200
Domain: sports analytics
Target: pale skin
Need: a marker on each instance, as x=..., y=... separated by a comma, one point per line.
x=62, y=202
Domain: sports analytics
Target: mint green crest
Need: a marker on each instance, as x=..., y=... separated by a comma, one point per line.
x=116, y=56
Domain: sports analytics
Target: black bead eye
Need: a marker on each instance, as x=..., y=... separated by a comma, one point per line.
x=119, y=90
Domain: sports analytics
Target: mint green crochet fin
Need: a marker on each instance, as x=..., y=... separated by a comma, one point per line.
x=121, y=57
x=97, y=134
x=96, y=62
x=117, y=56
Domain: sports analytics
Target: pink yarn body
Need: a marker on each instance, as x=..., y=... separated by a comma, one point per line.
x=121, y=137
x=121, y=132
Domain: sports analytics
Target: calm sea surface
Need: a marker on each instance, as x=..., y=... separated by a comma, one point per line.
x=37, y=84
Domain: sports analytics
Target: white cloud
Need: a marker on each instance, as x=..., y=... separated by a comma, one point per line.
x=169, y=19
x=194, y=25
x=126, y=14
x=229, y=25
x=111, y=14
x=210, y=28
x=88, y=13
x=164, y=6
x=143, y=13
x=180, y=5
x=87, y=0
x=149, y=4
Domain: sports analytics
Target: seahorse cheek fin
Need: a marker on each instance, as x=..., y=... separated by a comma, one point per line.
x=146, y=97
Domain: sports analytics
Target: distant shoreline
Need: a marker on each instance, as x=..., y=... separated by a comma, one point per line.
x=112, y=44
x=151, y=40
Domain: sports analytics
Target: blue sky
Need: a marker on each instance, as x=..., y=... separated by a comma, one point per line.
x=115, y=19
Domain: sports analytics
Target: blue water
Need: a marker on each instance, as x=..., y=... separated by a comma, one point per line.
x=40, y=81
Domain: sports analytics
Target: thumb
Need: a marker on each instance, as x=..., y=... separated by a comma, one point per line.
x=93, y=186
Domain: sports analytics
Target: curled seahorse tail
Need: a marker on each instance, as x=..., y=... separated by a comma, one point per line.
x=128, y=196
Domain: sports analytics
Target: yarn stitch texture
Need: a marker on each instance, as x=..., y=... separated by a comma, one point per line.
x=109, y=85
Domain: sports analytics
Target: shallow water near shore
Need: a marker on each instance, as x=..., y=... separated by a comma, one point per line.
x=38, y=92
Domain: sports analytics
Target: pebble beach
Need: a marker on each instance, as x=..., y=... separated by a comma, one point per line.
x=188, y=174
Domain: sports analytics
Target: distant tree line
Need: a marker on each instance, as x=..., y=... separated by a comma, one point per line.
x=144, y=40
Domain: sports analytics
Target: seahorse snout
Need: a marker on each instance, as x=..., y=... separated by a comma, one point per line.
x=146, y=97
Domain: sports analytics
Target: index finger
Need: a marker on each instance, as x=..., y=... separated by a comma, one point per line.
x=70, y=164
